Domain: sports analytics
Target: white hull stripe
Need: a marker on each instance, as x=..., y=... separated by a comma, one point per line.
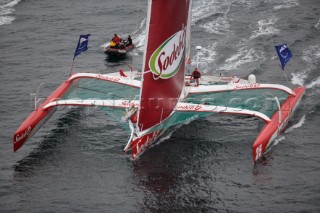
x=112, y=78
x=232, y=87
x=219, y=109
x=92, y=103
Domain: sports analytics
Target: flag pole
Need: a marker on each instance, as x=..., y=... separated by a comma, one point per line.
x=285, y=75
x=198, y=48
x=71, y=67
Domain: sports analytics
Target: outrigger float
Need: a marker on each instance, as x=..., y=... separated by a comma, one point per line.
x=166, y=97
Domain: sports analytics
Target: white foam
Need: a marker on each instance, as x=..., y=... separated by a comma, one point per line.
x=207, y=9
x=243, y=56
x=220, y=26
x=105, y=45
x=139, y=41
x=312, y=54
x=297, y=125
x=313, y=83
x=277, y=140
x=139, y=37
x=206, y=56
x=5, y=11
x=298, y=78
x=266, y=27
x=6, y=20
x=204, y=9
x=285, y=4
x=317, y=24
x=207, y=53
x=8, y=3
x=168, y=136
x=143, y=24
x=6, y=8
x=133, y=53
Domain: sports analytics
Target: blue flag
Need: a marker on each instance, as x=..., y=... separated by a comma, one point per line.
x=82, y=45
x=284, y=54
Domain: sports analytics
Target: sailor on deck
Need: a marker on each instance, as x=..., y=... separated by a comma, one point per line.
x=196, y=75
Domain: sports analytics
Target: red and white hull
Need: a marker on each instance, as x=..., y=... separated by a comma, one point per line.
x=277, y=124
x=37, y=118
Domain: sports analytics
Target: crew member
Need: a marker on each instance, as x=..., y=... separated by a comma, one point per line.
x=112, y=43
x=196, y=75
x=129, y=41
x=116, y=39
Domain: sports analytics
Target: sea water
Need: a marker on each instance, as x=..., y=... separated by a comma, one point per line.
x=74, y=163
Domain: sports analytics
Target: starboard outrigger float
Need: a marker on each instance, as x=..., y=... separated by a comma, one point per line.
x=165, y=97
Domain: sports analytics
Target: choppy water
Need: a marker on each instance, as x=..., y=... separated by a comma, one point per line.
x=73, y=164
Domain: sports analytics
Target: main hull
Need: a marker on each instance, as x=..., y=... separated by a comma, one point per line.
x=151, y=136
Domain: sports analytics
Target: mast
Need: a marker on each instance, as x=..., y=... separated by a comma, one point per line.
x=164, y=60
x=188, y=44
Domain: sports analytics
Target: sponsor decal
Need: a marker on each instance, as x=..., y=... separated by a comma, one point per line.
x=166, y=60
x=144, y=145
x=108, y=78
x=190, y=107
x=198, y=107
x=247, y=86
x=226, y=79
x=145, y=142
x=23, y=135
x=128, y=104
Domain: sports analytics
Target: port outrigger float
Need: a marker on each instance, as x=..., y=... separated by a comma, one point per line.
x=166, y=97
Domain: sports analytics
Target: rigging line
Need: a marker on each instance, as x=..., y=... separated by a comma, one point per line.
x=71, y=68
x=131, y=80
x=132, y=61
x=137, y=17
x=131, y=76
x=285, y=75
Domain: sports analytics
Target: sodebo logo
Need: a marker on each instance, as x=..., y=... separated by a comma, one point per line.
x=168, y=57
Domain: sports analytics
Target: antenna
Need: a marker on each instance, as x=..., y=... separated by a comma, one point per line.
x=198, y=48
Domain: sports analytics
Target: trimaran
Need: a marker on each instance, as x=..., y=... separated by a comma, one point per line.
x=165, y=98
